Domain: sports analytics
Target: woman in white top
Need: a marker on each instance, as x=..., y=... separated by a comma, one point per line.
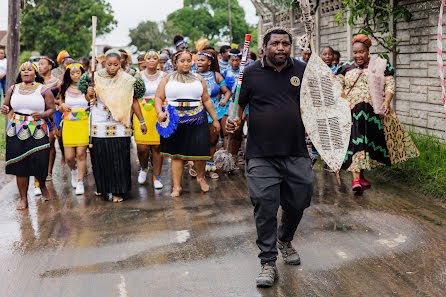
x=3, y=65
x=27, y=142
x=74, y=107
x=150, y=142
x=114, y=98
x=185, y=97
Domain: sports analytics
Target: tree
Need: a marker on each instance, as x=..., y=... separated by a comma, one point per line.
x=147, y=35
x=50, y=26
x=375, y=17
x=209, y=18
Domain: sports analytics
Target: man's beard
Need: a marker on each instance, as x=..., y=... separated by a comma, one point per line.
x=278, y=63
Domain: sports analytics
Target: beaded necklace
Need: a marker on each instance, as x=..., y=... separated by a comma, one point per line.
x=184, y=77
x=152, y=77
x=28, y=88
x=73, y=91
x=52, y=83
x=206, y=75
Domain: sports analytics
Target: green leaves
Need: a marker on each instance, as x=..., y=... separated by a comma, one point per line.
x=375, y=17
x=50, y=26
x=148, y=35
x=209, y=18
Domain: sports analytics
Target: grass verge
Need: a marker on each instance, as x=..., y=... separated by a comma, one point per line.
x=425, y=174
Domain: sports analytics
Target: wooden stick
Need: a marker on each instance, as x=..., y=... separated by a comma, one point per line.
x=93, y=68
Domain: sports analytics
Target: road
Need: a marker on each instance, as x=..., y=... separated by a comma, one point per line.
x=388, y=242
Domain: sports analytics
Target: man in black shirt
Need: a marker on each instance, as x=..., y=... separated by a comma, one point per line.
x=278, y=168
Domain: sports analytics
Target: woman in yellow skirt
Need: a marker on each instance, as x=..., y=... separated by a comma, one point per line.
x=75, y=131
x=149, y=143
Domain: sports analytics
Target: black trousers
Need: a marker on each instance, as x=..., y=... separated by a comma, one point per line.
x=274, y=182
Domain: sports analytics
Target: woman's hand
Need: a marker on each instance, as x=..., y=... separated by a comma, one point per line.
x=37, y=116
x=64, y=108
x=223, y=103
x=216, y=125
x=143, y=129
x=386, y=107
x=91, y=93
x=5, y=109
x=161, y=116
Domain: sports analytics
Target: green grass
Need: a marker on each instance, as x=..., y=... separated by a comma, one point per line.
x=425, y=174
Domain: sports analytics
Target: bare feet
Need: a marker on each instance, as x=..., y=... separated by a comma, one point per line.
x=203, y=184
x=117, y=199
x=45, y=193
x=22, y=205
x=176, y=192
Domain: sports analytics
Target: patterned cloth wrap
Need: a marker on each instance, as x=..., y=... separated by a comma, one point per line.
x=147, y=103
x=190, y=115
x=76, y=115
x=25, y=127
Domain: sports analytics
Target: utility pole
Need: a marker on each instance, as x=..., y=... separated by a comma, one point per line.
x=230, y=22
x=13, y=41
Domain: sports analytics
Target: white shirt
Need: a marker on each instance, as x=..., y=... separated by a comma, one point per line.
x=151, y=84
x=3, y=64
x=177, y=90
x=28, y=103
x=75, y=99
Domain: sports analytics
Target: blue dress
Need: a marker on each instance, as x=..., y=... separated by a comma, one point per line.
x=231, y=77
x=214, y=90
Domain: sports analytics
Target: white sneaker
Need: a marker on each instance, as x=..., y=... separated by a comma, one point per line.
x=80, y=188
x=37, y=191
x=74, y=178
x=157, y=184
x=142, y=177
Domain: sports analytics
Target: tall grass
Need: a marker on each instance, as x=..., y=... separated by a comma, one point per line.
x=427, y=173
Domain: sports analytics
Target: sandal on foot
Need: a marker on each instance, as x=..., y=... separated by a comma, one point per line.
x=192, y=172
x=213, y=175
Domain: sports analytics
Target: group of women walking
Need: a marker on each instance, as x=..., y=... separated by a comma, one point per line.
x=178, y=111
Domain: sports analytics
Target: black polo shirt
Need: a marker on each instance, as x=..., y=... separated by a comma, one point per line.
x=275, y=124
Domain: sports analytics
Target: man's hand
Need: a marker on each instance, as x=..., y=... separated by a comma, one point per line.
x=232, y=124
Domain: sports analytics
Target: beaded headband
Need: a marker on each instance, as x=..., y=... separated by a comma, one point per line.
x=235, y=55
x=49, y=60
x=180, y=43
x=113, y=52
x=66, y=58
x=278, y=28
x=206, y=54
x=75, y=66
x=28, y=66
x=183, y=52
x=151, y=54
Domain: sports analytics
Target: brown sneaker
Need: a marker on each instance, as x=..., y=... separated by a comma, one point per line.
x=289, y=254
x=267, y=276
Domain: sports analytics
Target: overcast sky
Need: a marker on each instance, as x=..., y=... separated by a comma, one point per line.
x=129, y=13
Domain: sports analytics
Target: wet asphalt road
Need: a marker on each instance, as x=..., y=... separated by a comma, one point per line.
x=389, y=242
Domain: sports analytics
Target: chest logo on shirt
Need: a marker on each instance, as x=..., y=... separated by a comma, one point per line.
x=295, y=81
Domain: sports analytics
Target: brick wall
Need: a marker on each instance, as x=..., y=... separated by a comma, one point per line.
x=418, y=97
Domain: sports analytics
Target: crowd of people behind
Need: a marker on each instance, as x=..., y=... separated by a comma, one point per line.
x=66, y=104
x=50, y=104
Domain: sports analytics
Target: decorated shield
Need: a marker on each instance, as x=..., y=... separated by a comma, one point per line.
x=325, y=112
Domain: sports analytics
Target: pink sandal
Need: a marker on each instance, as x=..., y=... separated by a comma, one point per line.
x=356, y=187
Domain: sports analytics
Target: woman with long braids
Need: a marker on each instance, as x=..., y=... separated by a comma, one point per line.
x=186, y=93
x=114, y=98
x=27, y=141
x=209, y=70
x=75, y=125
x=149, y=144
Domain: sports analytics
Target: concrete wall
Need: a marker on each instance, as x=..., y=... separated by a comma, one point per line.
x=418, y=99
